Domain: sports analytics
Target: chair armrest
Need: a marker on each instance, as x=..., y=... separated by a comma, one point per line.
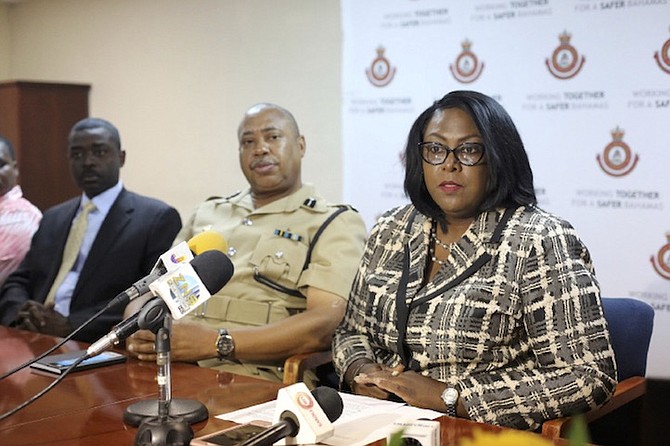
x=295, y=366
x=625, y=392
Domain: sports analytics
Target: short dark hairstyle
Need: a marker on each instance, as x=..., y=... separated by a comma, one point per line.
x=287, y=114
x=10, y=147
x=510, y=178
x=94, y=123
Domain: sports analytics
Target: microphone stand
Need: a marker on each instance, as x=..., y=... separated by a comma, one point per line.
x=165, y=421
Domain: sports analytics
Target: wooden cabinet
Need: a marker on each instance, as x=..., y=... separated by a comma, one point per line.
x=37, y=117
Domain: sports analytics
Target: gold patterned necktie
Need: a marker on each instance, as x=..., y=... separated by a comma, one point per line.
x=71, y=251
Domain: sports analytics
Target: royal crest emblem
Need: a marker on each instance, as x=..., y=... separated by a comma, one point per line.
x=565, y=61
x=663, y=57
x=661, y=261
x=380, y=73
x=617, y=157
x=466, y=68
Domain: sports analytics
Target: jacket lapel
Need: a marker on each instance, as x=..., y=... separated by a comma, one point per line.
x=418, y=254
x=118, y=217
x=472, y=251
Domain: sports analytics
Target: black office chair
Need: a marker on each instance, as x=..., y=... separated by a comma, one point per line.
x=630, y=324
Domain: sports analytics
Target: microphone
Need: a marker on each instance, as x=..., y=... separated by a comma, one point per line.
x=301, y=417
x=183, y=289
x=212, y=267
x=206, y=241
x=171, y=259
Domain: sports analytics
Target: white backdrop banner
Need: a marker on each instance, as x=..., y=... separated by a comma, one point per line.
x=587, y=83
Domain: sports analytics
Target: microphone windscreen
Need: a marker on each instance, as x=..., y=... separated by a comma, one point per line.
x=214, y=269
x=330, y=401
x=207, y=241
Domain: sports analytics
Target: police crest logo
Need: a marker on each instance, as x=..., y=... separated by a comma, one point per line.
x=466, y=68
x=617, y=157
x=565, y=61
x=661, y=261
x=663, y=57
x=380, y=73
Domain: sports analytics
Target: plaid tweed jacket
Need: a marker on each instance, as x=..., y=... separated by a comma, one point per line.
x=515, y=324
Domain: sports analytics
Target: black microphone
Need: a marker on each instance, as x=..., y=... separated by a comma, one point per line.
x=198, y=244
x=138, y=288
x=153, y=312
x=213, y=267
x=329, y=401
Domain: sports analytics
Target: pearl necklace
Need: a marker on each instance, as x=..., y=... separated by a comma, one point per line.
x=446, y=246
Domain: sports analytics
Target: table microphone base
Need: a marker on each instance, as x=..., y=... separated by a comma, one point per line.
x=190, y=410
x=164, y=431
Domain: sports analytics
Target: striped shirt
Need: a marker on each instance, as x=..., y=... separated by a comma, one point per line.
x=19, y=220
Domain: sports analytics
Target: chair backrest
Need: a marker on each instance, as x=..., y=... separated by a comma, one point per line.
x=630, y=323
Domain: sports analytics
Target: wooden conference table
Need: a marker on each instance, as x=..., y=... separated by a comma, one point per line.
x=87, y=407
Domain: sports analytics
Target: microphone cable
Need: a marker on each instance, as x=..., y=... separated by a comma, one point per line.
x=38, y=395
x=200, y=243
x=69, y=337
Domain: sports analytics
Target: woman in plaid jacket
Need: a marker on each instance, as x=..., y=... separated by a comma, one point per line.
x=472, y=300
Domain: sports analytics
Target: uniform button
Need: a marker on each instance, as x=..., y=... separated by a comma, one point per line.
x=279, y=254
x=231, y=251
x=247, y=222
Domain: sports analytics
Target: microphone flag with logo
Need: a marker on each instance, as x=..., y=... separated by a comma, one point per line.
x=182, y=289
x=313, y=419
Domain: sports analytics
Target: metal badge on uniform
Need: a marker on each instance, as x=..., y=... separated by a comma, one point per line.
x=310, y=202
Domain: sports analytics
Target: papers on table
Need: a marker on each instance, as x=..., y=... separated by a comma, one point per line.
x=363, y=419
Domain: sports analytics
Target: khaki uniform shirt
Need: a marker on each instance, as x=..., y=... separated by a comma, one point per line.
x=273, y=241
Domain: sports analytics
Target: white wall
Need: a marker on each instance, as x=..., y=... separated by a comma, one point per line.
x=176, y=76
x=4, y=42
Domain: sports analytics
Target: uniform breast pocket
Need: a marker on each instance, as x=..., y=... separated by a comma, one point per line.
x=279, y=259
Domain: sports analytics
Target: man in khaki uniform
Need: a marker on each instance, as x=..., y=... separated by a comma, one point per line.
x=295, y=257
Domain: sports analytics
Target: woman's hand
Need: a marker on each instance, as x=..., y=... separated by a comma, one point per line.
x=413, y=388
x=362, y=385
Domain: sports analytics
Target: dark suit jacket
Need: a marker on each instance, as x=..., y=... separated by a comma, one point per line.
x=136, y=231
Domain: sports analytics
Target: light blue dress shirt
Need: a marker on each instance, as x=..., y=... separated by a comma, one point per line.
x=103, y=203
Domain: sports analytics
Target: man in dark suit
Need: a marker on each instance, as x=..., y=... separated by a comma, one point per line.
x=122, y=236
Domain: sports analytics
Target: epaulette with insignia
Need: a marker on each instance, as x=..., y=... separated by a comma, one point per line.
x=346, y=206
x=225, y=198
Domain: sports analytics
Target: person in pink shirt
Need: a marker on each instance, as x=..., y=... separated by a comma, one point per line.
x=18, y=217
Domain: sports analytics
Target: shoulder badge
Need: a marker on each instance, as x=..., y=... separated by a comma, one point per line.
x=216, y=197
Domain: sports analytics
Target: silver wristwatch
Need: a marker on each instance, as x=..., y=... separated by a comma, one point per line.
x=224, y=344
x=450, y=398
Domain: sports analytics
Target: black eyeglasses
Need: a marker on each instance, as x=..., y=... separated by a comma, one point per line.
x=468, y=153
